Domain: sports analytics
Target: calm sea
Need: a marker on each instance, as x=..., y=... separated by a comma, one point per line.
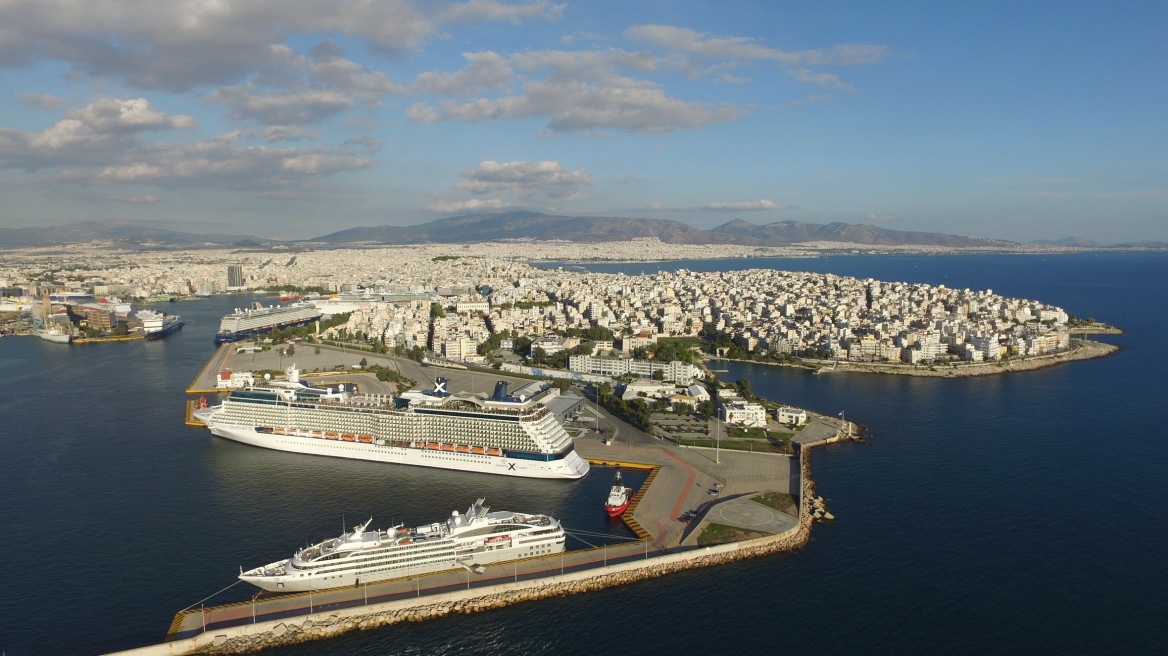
x=1015, y=513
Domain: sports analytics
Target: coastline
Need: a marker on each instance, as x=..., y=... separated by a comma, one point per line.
x=1085, y=349
x=324, y=624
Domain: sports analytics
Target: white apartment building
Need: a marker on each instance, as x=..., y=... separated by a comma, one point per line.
x=681, y=372
x=743, y=413
x=792, y=416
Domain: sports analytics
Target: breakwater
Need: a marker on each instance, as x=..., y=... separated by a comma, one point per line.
x=249, y=638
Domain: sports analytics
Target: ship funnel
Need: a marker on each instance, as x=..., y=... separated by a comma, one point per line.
x=440, y=385
x=500, y=391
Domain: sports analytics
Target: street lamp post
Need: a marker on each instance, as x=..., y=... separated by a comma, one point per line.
x=717, y=442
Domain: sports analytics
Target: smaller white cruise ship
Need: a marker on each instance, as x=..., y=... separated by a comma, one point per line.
x=157, y=325
x=464, y=541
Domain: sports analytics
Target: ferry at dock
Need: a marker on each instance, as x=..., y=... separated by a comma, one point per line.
x=468, y=541
x=157, y=325
x=512, y=435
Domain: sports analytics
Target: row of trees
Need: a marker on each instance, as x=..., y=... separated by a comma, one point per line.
x=635, y=412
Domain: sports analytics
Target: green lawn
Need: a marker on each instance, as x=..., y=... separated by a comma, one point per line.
x=757, y=446
x=779, y=501
x=720, y=534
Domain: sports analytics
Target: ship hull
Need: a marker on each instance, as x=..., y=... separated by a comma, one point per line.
x=350, y=579
x=618, y=511
x=223, y=338
x=570, y=467
x=56, y=338
x=159, y=334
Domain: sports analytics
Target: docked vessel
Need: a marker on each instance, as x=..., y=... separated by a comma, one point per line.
x=54, y=335
x=619, y=497
x=463, y=541
x=245, y=323
x=157, y=325
x=500, y=434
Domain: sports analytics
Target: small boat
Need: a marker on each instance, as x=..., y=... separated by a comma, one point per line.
x=433, y=446
x=494, y=452
x=365, y=438
x=619, y=497
x=332, y=436
x=447, y=447
x=349, y=437
x=478, y=449
x=462, y=449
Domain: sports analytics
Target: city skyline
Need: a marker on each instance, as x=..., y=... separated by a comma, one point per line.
x=998, y=121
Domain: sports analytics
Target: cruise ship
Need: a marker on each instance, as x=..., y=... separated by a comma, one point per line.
x=500, y=434
x=157, y=325
x=464, y=541
x=245, y=323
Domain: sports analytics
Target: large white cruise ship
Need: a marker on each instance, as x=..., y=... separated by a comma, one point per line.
x=244, y=323
x=469, y=540
x=500, y=434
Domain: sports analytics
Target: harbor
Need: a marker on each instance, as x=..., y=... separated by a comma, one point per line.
x=684, y=491
x=663, y=546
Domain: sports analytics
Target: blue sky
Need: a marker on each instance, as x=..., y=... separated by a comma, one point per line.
x=285, y=119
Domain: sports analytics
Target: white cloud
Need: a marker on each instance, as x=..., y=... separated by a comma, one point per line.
x=42, y=100
x=199, y=43
x=484, y=71
x=134, y=115
x=699, y=43
x=354, y=78
x=745, y=206
x=686, y=44
x=87, y=135
x=500, y=185
x=573, y=90
x=274, y=133
x=732, y=206
x=472, y=205
x=621, y=103
x=826, y=80
x=134, y=200
x=224, y=165
x=492, y=10
x=283, y=108
x=524, y=179
x=102, y=143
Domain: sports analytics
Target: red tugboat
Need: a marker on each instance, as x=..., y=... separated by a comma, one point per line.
x=619, y=497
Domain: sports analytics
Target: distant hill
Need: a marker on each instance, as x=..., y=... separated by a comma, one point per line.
x=126, y=233
x=535, y=225
x=1087, y=243
x=794, y=232
x=1067, y=241
x=522, y=225
x=505, y=226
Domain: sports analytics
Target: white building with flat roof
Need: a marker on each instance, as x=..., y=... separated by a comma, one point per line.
x=743, y=413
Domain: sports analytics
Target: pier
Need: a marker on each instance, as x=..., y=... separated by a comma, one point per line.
x=716, y=489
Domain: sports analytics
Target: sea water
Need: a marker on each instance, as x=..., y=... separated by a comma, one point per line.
x=1022, y=512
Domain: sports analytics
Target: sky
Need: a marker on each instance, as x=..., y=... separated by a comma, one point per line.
x=287, y=120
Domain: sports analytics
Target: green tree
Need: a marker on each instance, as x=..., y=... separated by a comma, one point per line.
x=743, y=386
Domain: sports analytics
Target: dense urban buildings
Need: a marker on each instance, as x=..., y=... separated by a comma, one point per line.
x=452, y=299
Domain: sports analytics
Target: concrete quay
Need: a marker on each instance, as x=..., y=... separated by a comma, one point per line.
x=681, y=480
x=314, y=616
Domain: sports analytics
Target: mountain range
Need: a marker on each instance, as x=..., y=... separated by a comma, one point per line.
x=526, y=225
